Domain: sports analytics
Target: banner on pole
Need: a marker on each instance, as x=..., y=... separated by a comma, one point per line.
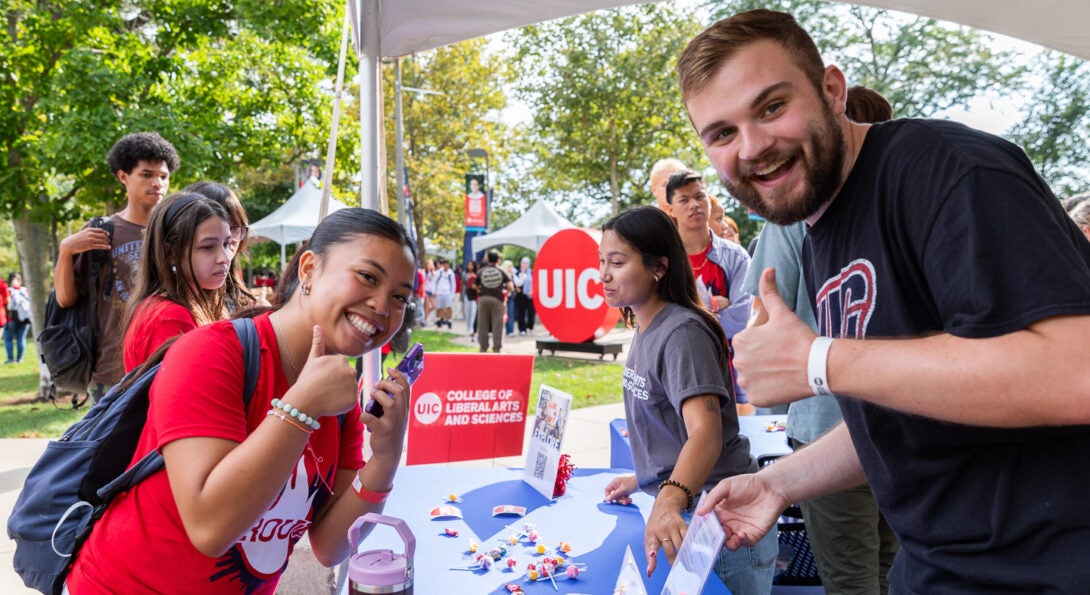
x=476, y=203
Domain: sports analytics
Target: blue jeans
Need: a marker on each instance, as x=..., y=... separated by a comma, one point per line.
x=15, y=339
x=510, y=324
x=749, y=570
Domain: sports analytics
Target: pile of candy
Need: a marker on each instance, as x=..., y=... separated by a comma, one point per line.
x=550, y=567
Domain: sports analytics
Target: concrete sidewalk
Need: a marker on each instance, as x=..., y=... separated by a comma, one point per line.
x=586, y=440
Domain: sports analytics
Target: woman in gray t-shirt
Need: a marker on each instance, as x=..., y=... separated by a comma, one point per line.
x=677, y=391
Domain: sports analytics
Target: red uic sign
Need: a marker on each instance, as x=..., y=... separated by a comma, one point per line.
x=567, y=290
x=469, y=406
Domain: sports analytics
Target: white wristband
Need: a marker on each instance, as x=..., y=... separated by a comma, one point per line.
x=817, y=365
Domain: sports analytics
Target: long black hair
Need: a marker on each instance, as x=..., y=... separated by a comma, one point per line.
x=652, y=234
x=337, y=228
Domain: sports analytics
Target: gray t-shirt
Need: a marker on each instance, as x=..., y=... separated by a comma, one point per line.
x=674, y=358
x=780, y=247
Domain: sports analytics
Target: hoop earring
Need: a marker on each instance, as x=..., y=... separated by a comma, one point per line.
x=306, y=290
x=656, y=278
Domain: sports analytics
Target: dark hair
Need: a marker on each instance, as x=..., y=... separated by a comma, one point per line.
x=707, y=52
x=149, y=146
x=492, y=256
x=652, y=234
x=337, y=228
x=165, y=268
x=680, y=179
x=12, y=276
x=238, y=296
x=867, y=106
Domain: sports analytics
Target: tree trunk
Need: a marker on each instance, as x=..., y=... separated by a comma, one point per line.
x=33, y=243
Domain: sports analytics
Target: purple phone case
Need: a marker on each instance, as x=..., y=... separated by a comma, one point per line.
x=412, y=365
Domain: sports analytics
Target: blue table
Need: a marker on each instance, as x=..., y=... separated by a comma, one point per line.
x=597, y=532
x=761, y=441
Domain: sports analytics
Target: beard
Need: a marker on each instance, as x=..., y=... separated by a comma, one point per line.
x=822, y=175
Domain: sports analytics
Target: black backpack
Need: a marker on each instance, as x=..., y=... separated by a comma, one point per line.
x=71, y=485
x=69, y=336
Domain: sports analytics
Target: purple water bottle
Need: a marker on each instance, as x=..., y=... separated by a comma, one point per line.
x=381, y=571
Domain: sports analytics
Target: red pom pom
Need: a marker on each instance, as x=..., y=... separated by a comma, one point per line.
x=563, y=474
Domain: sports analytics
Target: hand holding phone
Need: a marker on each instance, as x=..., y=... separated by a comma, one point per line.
x=412, y=365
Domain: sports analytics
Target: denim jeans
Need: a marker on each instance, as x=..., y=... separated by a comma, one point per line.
x=749, y=570
x=15, y=339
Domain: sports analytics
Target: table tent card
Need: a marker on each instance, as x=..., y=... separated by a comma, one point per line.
x=697, y=555
x=629, y=579
x=543, y=457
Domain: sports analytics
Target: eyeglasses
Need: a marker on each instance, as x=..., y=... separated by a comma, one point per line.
x=238, y=235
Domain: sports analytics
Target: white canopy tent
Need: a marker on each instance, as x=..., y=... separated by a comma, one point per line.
x=294, y=220
x=529, y=231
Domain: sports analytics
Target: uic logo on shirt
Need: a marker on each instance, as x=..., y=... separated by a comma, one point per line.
x=567, y=290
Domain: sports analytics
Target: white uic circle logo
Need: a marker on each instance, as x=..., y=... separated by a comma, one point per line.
x=427, y=408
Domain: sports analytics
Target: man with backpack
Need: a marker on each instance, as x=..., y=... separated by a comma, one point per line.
x=143, y=163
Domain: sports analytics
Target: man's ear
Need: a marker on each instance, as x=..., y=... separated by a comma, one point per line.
x=835, y=86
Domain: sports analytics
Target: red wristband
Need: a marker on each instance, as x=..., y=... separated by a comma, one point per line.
x=367, y=495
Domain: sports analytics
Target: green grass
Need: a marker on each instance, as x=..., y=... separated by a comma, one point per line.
x=21, y=415
x=591, y=382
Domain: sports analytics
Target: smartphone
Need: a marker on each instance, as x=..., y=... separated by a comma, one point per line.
x=412, y=365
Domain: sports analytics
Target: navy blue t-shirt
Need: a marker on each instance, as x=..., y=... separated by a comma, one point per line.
x=943, y=229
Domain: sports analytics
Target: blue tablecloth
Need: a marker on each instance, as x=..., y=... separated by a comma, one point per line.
x=754, y=427
x=598, y=532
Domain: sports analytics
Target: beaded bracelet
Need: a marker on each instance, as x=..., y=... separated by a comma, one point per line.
x=676, y=484
x=294, y=412
x=290, y=420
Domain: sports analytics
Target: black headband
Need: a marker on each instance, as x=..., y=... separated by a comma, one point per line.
x=186, y=200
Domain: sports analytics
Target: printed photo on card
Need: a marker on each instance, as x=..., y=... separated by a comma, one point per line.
x=543, y=457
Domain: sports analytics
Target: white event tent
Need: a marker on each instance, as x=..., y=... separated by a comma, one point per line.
x=528, y=231
x=294, y=220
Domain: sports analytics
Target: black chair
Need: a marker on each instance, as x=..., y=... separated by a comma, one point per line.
x=795, y=565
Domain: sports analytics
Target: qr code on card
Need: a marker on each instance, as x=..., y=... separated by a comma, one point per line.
x=540, y=464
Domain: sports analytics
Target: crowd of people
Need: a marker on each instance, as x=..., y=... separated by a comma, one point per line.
x=918, y=303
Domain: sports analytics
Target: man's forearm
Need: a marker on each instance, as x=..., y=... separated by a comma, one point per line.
x=64, y=281
x=1035, y=376
x=828, y=465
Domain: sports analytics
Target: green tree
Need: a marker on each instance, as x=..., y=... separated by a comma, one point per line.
x=1057, y=124
x=605, y=103
x=460, y=111
x=77, y=75
x=922, y=66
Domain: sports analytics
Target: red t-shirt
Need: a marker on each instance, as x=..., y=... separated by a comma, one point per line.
x=157, y=321
x=709, y=273
x=140, y=544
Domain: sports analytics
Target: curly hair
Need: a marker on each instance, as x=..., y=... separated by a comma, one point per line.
x=149, y=146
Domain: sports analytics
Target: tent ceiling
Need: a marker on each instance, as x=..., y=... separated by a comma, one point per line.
x=410, y=26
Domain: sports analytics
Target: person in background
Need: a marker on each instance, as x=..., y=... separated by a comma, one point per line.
x=1081, y=216
x=853, y=545
x=718, y=265
x=660, y=172
x=962, y=384
x=524, y=296
x=444, y=293
x=470, y=296
x=493, y=285
x=509, y=303
x=677, y=390
x=5, y=304
x=185, y=265
x=18, y=319
x=143, y=163
x=429, y=289
x=238, y=296
x=242, y=484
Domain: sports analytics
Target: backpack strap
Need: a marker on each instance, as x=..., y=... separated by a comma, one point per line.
x=153, y=461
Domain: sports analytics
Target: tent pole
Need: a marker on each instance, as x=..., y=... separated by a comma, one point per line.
x=331, y=152
x=371, y=173
x=370, y=86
